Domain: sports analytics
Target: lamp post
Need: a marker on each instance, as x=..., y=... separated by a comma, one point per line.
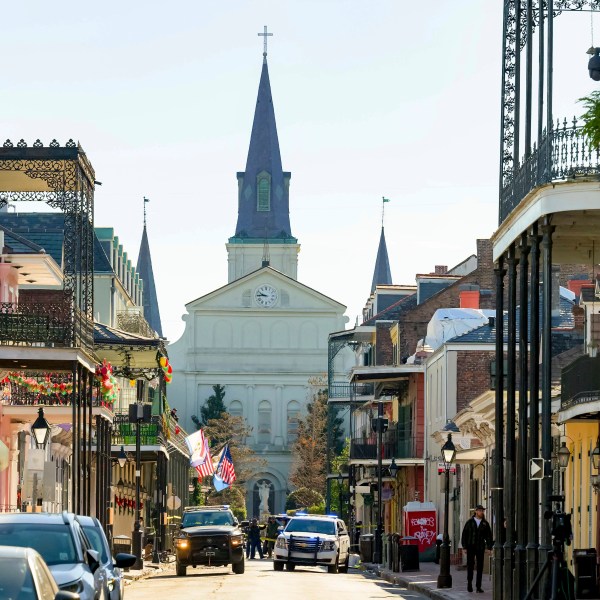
x=444, y=578
x=594, y=63
x=340, y=479
x=41, y=429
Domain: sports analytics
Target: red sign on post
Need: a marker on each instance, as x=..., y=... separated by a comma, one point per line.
x=421, y=523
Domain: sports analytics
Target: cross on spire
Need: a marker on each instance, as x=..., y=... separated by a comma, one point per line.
x=265, y=35
x=145, y=201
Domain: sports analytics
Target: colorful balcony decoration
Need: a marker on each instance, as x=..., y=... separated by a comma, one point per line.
x=109, y=387
x=167, y=368
x=46, y=386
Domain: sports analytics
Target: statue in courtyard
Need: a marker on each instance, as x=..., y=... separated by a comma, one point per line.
x=264, y=488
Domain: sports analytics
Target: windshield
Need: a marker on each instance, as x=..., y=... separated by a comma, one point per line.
x=206, y=517
x=53, y=542
x=311, y=526
x=16, y=580
x=94, y=535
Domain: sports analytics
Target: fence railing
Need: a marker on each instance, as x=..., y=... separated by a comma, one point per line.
x=564, y=154
x=346, y=390
x=124, y=432
x=396, y=444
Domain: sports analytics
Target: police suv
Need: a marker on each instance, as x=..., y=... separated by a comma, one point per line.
x=313, y=540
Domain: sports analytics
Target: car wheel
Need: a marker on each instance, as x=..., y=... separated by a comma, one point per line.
x=278, y=565
x=291, y=566
x=335, y=567
x=180, y=570
x=238, y=567
x=344, y=567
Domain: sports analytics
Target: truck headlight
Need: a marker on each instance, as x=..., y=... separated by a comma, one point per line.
x=281, y=543
x=182, y=543
x=237, y=540
x=328, y=546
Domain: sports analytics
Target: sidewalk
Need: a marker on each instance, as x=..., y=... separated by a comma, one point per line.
x=148, y=569
x=425, y=581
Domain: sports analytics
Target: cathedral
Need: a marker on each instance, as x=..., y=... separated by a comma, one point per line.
x=263, y=335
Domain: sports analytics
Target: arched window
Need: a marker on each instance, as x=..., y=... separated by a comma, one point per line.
x=236, y=409
x=293, y=416
x=264, y=422
x=264, y=193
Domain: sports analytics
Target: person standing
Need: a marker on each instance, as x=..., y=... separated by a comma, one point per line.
x=271, y=536
x=476, y=538
x=254, y=540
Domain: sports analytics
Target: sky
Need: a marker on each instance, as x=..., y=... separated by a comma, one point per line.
x=387, y=98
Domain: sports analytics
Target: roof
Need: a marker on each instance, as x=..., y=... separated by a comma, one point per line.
x=393, y=312
x=150, y=299
x=382, y=274
x=263, y=156
x=106, y=335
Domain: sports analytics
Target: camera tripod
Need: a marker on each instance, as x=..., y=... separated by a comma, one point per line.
x=557, y=564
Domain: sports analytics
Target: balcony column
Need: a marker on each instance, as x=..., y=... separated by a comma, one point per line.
x=510, y=474
x=498, y=458
x=546, y=265
x=522, y=470
x=534, y=417
x=75, y=479
x=99, y=469
x=89, y=378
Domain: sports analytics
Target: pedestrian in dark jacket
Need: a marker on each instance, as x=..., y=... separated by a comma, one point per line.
x=254, y=540
x=476, y=538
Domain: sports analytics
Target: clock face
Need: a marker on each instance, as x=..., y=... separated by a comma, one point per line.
x=266, y=296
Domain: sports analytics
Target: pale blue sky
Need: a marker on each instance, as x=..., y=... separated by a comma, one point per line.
x=390, y=98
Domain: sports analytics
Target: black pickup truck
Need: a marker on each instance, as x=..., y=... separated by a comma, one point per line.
x=209, y=535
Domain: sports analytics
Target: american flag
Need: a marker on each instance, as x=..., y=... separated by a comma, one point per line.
x=225, y=468
x=205, y=467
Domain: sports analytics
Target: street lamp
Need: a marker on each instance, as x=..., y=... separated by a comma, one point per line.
x=444, y=578
x=40, y=429
x=394, y=468
x=563, y=456
x=122, y=457
x=594, y=63
x=596, y=455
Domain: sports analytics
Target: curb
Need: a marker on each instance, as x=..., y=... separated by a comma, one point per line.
x=147, y=571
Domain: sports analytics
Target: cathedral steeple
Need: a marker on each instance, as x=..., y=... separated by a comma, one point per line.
x=263, y=198
x=144, y=268
x=382, y=275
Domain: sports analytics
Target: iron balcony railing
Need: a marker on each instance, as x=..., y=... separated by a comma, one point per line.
x=564, y=154
x=124, y=432
x=580, y=382
x=347, y=390
x=396, y=444
x=44, y=318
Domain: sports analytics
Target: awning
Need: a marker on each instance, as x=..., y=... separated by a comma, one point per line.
x=470, y=457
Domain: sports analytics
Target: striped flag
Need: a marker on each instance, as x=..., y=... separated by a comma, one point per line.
x=225, y=473
x=200, y=457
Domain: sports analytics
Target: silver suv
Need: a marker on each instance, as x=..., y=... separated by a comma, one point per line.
x=59, y=538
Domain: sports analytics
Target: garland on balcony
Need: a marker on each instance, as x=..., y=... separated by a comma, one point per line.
x=167, y=368
x=109, y=388
x=46, y=386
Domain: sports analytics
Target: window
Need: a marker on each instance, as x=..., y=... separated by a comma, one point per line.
x=264, y=193
x=264, y=422
x=293, y=414
x=236, y=409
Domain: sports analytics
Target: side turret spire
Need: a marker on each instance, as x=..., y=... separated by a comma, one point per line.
x=382, y=275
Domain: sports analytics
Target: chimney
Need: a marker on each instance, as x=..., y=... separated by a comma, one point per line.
x=469, y=299
x=492, y=322
x=441, y=269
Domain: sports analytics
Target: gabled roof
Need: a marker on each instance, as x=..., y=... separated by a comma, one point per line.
x=150, y=300
x=263, y=157
x=268, y=269
x=393, y=312
x=382, y=274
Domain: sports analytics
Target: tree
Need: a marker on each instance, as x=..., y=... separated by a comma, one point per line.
x=213, y=408
x=591, y=118
x=340, y=464
x=303, y=498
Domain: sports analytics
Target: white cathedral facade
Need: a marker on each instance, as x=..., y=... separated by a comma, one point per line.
x=263, y=335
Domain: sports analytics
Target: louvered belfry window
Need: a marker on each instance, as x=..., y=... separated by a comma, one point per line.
x=264, y=194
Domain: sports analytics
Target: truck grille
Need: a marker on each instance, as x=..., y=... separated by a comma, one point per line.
x=304, y=545
x=210, y=541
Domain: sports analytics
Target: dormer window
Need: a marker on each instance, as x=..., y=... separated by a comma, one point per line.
x=263, y=185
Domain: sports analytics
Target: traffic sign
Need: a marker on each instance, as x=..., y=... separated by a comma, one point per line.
x=536, y=468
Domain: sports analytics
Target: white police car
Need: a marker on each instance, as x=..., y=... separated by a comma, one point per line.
x=313, y=540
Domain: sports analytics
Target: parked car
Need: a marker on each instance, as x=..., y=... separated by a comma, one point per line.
x=25, y=576
x=115, y=584
x=313, y=540
x=59, y=538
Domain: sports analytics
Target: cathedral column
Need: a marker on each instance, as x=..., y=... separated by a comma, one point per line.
x=278, y=416
x=251, y=414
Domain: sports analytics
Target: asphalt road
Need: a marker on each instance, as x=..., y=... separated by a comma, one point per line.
x=261, y=582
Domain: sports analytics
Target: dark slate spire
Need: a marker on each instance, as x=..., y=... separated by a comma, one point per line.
x=382, y=274
x=144, y=268
x=263, y=200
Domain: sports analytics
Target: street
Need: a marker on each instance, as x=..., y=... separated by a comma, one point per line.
x=260, y=581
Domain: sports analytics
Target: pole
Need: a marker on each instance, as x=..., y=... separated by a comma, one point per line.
x=137, y=532
x=445, y=578
x=377, y=558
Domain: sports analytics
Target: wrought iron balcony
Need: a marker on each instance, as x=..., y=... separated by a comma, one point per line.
x=124, y=432
x=396, y=444
x=580, y=382
x=44, y=318
x=338, y=391
x=564, y=154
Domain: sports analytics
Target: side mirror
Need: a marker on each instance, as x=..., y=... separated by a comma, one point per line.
x=63, y=595
x=93, y=560
x=280, y=529
x=123, y=561
x=236, y=522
